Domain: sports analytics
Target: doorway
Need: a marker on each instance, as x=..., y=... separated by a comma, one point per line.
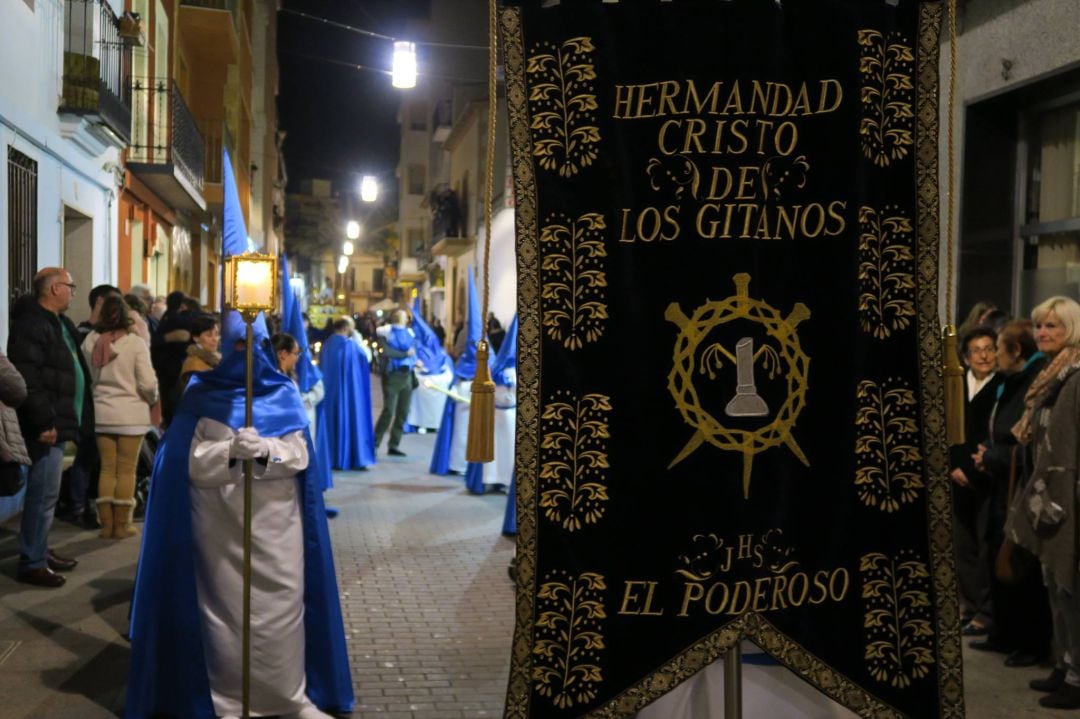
x=78, y=253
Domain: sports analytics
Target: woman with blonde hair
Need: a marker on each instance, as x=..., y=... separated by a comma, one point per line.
x=1043, y=517
x=124, y=386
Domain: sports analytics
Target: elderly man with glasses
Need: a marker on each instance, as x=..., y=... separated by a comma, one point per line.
x=43, y=345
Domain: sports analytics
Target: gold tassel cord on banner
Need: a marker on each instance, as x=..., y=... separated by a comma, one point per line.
x=951, y=368
x=481, y=441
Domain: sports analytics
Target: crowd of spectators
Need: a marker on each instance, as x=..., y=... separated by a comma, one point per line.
x=1014, y=491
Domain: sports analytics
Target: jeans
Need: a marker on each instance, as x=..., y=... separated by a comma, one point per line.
x=42, y=489
x=1065, y=610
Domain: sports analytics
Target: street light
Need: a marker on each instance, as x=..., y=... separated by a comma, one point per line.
x=404, y=66
x=352, y=230
x=347, y=248
x=369, y=188
x=342, y=264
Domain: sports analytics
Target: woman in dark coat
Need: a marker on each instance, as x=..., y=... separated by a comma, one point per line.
x=1021, y=610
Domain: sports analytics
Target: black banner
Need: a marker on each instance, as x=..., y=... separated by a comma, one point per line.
x=730, y=421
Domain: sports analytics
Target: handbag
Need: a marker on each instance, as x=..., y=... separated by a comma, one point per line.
x=12, y=478
x=1012, y=562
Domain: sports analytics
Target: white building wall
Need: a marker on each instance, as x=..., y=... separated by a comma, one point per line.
x=31, y=67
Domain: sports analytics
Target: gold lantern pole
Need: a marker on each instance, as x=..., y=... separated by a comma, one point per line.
x=250, y=288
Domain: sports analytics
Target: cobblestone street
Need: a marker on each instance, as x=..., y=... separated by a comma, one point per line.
x=427, y=602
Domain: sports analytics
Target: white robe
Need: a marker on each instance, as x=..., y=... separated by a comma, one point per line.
x=311, y=400
x=767, y=691
x=426, y=405
x=501, y=469
x=460, y=438
x=278, y=682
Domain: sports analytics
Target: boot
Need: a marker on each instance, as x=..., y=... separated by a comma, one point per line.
x=122, y=518
x=105, y=511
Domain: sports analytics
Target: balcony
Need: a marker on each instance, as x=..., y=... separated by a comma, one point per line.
x=212, y=26
x=447, y=224
x=167, y=150
x=96, y=102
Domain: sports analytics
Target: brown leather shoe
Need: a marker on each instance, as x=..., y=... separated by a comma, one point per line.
x=41, y=577
x=58, y=563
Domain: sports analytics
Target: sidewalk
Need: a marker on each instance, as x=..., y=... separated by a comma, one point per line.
x=427, y=602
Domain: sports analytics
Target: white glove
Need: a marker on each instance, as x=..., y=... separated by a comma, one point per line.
x=247, y=444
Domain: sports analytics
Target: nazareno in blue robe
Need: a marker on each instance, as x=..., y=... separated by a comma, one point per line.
x=167, y=675
x=349, y=428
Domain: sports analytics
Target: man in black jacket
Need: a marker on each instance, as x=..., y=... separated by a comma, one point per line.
x=59, y=408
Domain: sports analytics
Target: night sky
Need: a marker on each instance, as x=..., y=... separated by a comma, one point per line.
x=340, y=121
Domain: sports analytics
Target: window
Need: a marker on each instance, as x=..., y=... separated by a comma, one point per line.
x=1050, y=226
x=22, y=223
x=378, y=280
x=416, y=179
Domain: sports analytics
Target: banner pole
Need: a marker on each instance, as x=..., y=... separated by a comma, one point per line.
x=733, y=682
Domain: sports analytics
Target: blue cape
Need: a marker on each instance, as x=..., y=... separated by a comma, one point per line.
x=292, y=321
x=507, y=355
x=466, y=365
x=510, y=517
x=348, y=425
x=322, y=447
x=440, y=456
x=167, y=672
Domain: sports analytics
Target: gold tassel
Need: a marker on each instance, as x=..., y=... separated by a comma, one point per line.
x=481, y=444
x=954, y=387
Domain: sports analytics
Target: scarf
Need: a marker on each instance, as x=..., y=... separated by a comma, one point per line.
x=210, y=358
x=1045, y=387
x=103, y=352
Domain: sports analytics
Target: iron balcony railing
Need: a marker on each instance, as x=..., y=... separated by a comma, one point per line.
x=96, y=64
x=164, y=130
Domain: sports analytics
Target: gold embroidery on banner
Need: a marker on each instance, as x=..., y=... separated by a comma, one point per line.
x=562, y=99
x=574, y=278
x=899, y=632
x=569, y=638
x=777, y=328
x=756, y=628
x=939, y=492
x=886, y=95
x=886, y=446
x=886, y=272
x=574, y=459
x=519, y=686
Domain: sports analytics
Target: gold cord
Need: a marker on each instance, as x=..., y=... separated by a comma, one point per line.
x=950, y=195
x=489, y=163
x=480, y=445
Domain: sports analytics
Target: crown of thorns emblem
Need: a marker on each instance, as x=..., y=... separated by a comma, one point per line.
x=786, y=358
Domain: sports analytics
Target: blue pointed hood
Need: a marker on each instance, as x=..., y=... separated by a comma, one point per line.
x=307, y=374
x=233, y=331
x=466, y=364
x=507, y=356
x=234, y=231
x=428, y=348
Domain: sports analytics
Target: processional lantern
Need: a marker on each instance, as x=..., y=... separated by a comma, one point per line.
x=250, y=288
